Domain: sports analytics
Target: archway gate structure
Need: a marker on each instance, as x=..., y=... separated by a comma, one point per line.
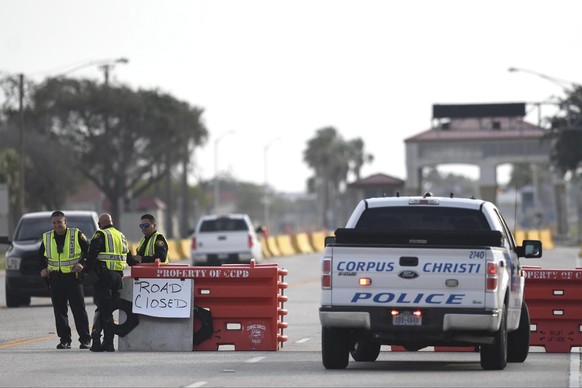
x=485, y=135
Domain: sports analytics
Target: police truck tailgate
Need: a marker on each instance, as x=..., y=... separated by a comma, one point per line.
x=363, y=276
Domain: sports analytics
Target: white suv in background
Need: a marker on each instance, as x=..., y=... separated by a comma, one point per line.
x=225, y=239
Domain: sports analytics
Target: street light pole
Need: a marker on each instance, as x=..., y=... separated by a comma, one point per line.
x=106, y=67
x=267, y=199
x=216, y=181
x=104, y=64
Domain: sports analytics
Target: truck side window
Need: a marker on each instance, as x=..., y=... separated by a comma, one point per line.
x=506, y=232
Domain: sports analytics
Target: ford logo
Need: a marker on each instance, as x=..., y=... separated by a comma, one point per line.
x=408, y=275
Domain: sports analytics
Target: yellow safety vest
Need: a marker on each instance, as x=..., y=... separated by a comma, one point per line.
x=150, y=249
x=70, y=256
x=115, y=250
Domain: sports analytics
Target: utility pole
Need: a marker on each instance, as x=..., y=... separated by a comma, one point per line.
x=21, y=190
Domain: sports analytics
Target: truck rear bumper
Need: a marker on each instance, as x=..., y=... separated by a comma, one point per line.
x=444, y=321
x=487, y=322
x=348, y=319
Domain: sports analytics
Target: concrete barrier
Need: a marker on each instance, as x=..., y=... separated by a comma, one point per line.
x=318, y=240
x=519, y=236
x=173, y=254
x=301, y=243
x=285, y=245
x=153, y=333
x=265, y=248
x=546, y=237
x=183, y=248
x=533, y=234
x=272, y=245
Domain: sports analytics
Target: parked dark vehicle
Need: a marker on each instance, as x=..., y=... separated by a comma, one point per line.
x=23, y=279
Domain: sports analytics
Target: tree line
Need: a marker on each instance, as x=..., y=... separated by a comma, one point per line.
x=128, y=142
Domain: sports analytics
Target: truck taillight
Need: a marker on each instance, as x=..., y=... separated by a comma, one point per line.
x=326, y=273
x=193, y=244
x=491, y=277
x=250, y=243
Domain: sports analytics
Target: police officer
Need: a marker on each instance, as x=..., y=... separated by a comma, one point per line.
x=153, y=245
x=62, y=254
x=107, y=256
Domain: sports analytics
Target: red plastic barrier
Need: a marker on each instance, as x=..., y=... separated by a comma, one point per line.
x=245, y=301
x=554, y=299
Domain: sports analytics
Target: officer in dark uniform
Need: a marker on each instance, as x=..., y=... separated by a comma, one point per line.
x=153, y=245
x=107, y=257
x=62, y=253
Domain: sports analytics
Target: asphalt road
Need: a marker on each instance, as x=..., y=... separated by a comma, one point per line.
x=28, y=356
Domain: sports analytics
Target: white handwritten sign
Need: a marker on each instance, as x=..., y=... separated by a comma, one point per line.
x=166, y=298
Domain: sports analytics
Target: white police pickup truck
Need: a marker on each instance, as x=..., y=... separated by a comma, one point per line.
x=424, y=271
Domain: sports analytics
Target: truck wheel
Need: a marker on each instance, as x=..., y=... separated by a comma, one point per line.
x=518, y=340
x=494, y=356
x=334, y=348
x=25, y=300
x=12, y=298
x=366, y=351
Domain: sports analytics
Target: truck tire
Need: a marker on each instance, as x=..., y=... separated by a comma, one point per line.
x=365, y=351
x=14, y=299
x=335, y=350
x=494, y=356
x=25, y=300
x=518, y=340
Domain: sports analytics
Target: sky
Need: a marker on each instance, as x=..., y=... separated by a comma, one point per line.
x=268, y=74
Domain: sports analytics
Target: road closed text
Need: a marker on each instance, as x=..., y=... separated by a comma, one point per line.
x=162, y=297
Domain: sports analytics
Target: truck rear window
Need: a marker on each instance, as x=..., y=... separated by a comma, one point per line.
x=223, y=225
x=422, y=218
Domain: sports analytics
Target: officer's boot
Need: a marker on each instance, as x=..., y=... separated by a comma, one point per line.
x=96, y=334
x=108, y=335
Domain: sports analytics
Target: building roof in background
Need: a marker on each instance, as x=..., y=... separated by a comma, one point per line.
x=378, y=180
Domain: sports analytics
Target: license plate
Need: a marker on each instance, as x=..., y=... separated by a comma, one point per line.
x=407, y=320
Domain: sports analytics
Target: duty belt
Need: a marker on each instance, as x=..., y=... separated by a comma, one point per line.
x=110, y=257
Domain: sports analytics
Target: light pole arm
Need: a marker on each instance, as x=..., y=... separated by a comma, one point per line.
x=103, y=64
x=558, y=81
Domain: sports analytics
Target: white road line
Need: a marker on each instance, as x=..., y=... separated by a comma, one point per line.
x=574, y=369
x=302, y=340
x=197, y=384
x=255, y=359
